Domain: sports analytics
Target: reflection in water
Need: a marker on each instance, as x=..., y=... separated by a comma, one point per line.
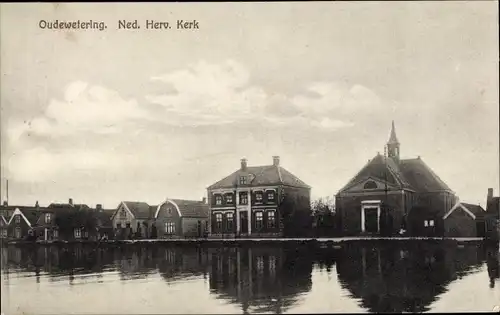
x=404, y=279
x=275, y=279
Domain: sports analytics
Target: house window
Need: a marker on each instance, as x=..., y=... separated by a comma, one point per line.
x=258, y=220
x=270, y=195
x=47, y=218
x=56, y=233
x=243, y=198
x=78, y=233
x=426, y=223
x=243, y=180
x=229, y=198
x=18, y=219
x=4, y=232
x=18, y=232
x=169, y=210
x=271, y=219
x=170, y=227
x=229, y=223
x=127, y=225
x=218, y=220
x=431, y=222
x=118, y=225
x=218, y=199
x=123, y=214
x=258, y=197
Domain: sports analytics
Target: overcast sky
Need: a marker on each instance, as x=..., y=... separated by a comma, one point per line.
x=105, y=116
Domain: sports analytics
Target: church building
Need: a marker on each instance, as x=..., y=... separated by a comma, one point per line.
x=393, y=196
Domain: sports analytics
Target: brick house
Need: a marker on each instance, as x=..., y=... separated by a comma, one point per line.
x=181, y=218
x=63, y=221
x=22, y=222
x=259, y=201
x=465, y=220
x=390, y=195
x=133, y=219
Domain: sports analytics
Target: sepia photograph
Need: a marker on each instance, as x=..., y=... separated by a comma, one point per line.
x=249, y=157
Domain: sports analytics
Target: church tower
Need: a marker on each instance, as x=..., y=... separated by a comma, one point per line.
x=393, y=145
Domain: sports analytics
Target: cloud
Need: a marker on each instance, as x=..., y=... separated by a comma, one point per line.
x=215, y=94
x=84, y=109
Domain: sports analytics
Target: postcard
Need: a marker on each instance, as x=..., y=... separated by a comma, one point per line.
x=249, y=157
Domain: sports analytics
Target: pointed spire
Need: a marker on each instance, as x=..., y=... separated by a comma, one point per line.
x=393, y=139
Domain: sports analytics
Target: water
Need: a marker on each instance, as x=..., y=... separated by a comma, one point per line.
x=260, y=279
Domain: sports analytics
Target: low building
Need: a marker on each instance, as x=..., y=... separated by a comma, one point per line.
x=104, y=224
x=465, y=220
x=65, y=221
x=390, y=195
x=181, y=218
x=133, y=219
x=21, y=223
x=492, y=215
x=257, y=201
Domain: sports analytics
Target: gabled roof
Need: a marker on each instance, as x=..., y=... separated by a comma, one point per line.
x=30, y=216
x=140, y=210
x=77, y=206
x=191, y=208
x=475, y=211
x=261, y=176
x=421, y=177
x=412, y=174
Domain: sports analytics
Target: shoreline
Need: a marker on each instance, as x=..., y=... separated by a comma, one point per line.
x=246, y=241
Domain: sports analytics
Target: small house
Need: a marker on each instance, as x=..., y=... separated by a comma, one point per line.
x=133, y=219
x=21, y=223
x=465, y=220
x=181, y=218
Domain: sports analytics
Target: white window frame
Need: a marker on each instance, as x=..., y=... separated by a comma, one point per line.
x=229, y=198
x=431, y=223
x=170, y=227
x=244, y=196
x=218, y=220
x=273, y=212
x=218, y=200
x=258, y=215
x=243, y=180
x=18, y=232
x=257, y=199
x=77, y=232
x=270, y=193
x=426, y=223
x=55, y=233
x=47, y=218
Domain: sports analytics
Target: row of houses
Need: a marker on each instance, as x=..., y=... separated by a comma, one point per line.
x=388, y=196
x=129, y=220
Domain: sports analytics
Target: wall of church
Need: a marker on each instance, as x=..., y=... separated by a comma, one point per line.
x=349, y=208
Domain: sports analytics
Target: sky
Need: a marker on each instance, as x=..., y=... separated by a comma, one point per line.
x=138, y=114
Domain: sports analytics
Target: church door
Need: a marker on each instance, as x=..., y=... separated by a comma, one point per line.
x=371, y=220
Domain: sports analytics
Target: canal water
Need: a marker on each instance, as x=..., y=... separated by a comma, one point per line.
x=415, y=277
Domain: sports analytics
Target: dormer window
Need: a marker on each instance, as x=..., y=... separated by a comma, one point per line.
x=243, y=180
x=47, y=218
x=218, y=199
x=229, y=198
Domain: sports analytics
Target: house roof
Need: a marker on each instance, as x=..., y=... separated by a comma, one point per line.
x=105, y=216
x=77, y=206
x=191, y=208
x=411, y=174
x=475, y=211
x=30, y=214
x=140, y=210
x=261, y=176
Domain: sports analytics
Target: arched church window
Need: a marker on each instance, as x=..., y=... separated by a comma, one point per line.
x=370, y=185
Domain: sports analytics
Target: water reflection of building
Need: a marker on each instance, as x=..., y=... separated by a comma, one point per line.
x=182, y=262
x=261, y=279
x=403, y=279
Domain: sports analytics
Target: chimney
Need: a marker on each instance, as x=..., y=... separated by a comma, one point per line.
x=70, y=201
x=37, y=205
x=490, y=194
x=98, y=207
x=276, y=160
x=204, y=200
x=243, y=164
